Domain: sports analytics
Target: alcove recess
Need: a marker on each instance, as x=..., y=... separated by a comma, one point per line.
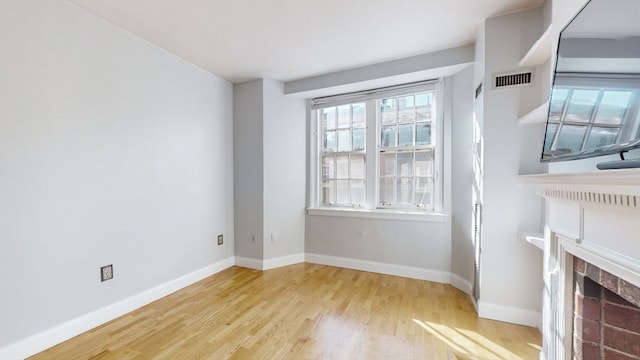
x=539, y=58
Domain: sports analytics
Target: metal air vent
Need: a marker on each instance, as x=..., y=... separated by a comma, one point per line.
x=512, y=79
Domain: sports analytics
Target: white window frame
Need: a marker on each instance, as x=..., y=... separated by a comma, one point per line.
x=372, y=154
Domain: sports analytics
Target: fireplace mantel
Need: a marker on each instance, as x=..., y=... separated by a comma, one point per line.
x=619, y=181
x=594, y=216
x=597, y=214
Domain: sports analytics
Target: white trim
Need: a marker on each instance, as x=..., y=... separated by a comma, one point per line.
x=381, y=268
x=51, y=337
x=380, y=214
x=461, y=283
x=249, y=263
x=508, y=314
x=268, y=264
x=283, y=261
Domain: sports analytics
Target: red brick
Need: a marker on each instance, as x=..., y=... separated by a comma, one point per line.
x=591, y=331
x=627, y=318
x=609, y=281
x=629, y=292
x=590, y=308
x=589, y=351
x=615, y=298
x=593, y=272
x=579, y=265
x=614, y=355
x=623, y=341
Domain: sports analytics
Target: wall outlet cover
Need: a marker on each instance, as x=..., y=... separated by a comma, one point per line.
x=220, y=240
x=106, y=272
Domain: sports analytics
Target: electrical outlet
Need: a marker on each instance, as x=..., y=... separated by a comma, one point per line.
x=253, y=238
x=220, y=240
x=106, y=272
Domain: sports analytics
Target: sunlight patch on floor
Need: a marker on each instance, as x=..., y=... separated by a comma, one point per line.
x=466, y=342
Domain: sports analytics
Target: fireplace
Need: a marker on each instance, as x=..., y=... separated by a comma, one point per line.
x=606, y=315
x=591, y=265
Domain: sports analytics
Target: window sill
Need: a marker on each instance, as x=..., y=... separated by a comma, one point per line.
x=381, y=214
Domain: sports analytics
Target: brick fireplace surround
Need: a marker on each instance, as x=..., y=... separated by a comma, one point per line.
x=606, y=317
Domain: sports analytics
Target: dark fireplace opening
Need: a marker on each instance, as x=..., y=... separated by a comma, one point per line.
x=606, y=315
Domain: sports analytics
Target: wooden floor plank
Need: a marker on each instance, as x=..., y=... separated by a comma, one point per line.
x=304, y=311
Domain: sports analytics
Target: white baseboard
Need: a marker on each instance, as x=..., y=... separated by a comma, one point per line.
x=269, y=264
x=381, y=268
x=46, y=339
x=283, y=261
x=461, y=283
x=508, y=314
x=248, y=262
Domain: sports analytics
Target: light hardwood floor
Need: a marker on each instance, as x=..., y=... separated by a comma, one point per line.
x=304, y=311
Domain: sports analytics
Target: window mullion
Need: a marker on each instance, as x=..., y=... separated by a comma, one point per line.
x=371, y=159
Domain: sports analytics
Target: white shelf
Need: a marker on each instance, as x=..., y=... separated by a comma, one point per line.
x=536, y=115
x=619, y=182
x=540, y=51
x=535, y=239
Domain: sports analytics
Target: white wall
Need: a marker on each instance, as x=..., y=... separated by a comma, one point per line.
x=462, y=175
x=269, y=140
x=284, y=160
x=510, y=268
x=112, y=151
x=248, y=168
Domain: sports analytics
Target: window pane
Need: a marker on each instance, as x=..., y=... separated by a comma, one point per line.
x=328, y=167
x=358, y=139
x=558, y=99
x=342, y=163
x=357, y=167
x=388, y=164
x=388, y=136
x=424, y=163
x=405, y=135
x=571, y=137
x=357, y=192
x=388, y=111
x=405, y=164
x=342, y=191
x=424, y=191
x=388, y=190
x=612, y=107
x=423, y=106
x=552, y=129
x=359, y=119
x=329, y=118
x=329, y=141
x=405, y=109
x=581, y=105
x=344, y=140
x=423, y=134
x=344, y=115
x=600, y=136
x=328, y=191
x=405, y=190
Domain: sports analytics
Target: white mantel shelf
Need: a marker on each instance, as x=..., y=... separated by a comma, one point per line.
x=611, y=182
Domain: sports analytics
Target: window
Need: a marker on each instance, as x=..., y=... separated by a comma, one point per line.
x=377, y=149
